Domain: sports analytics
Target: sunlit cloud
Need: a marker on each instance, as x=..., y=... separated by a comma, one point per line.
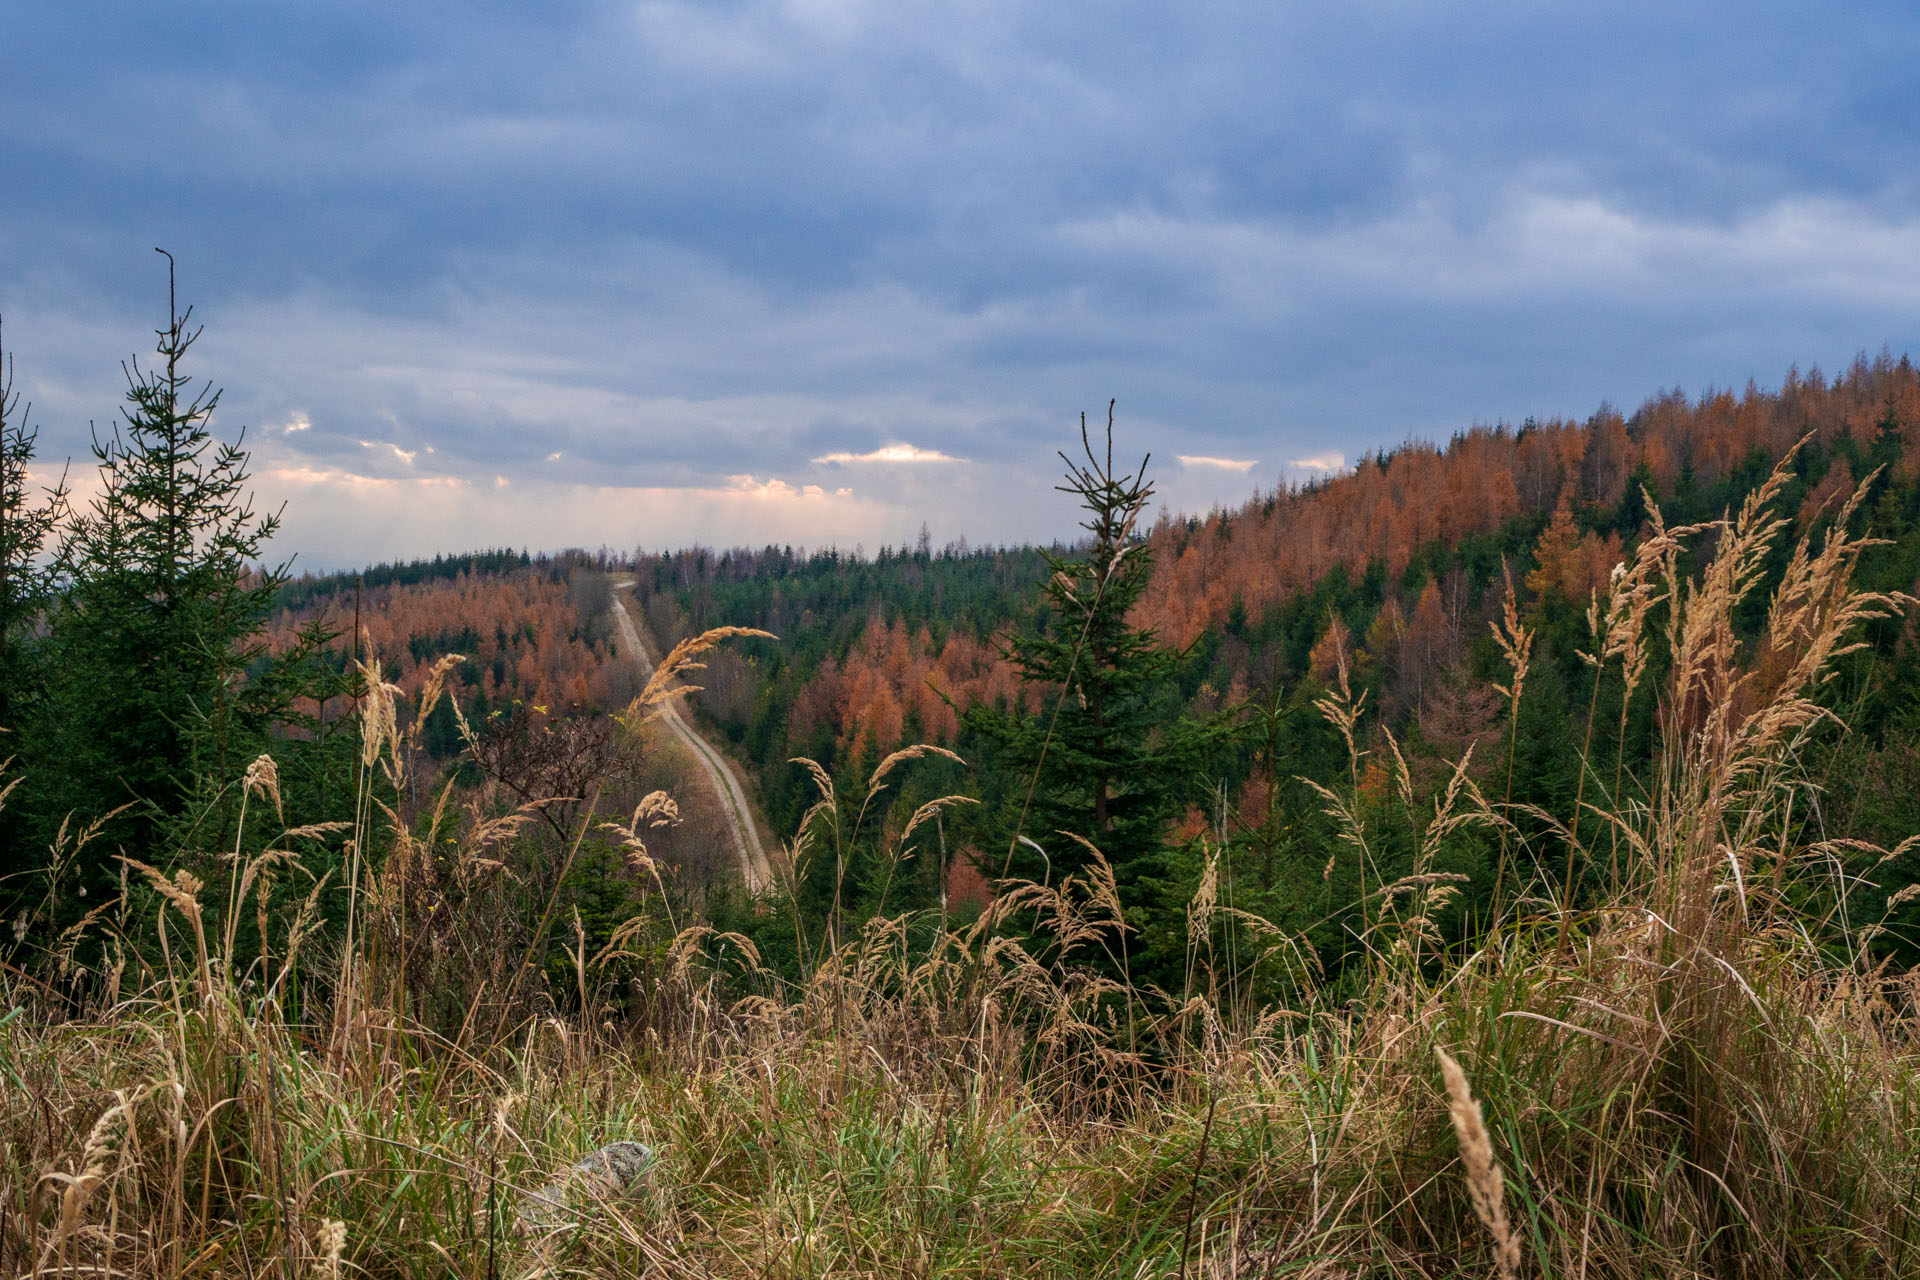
x=297, y=422
x=1325, y=463
x=774, y=488
x=45, y=477
x=405, y=455
x=1223, y=464
x=373, y=518
x=304, y=476
x=894, y=453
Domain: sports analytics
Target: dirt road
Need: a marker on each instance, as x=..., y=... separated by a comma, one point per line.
x=755, y=870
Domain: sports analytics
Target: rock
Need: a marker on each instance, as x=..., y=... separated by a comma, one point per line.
x=616, y=1170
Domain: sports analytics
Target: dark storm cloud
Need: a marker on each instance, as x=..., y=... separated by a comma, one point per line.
x=681, y=244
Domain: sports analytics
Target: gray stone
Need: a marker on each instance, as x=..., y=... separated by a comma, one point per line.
x=616, y=1170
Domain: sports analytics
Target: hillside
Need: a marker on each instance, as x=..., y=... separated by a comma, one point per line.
x=1401, y=552
x=536, y=631
x=1427, y=787
x=540, y=667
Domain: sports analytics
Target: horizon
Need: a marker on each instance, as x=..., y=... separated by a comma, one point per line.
x=962, y=545
x=304, y=564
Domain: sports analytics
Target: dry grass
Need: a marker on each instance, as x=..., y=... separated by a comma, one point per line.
x=1486, y=1184
x=1691, y=1078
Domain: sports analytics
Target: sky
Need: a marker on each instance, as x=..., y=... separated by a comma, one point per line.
x=824, y=271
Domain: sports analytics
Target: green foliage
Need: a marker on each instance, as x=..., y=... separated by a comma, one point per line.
x=820, y=605
x=26, y=585
x=26, y=578
x=1110, y=759
x=1683, y=1056
x=164, y=688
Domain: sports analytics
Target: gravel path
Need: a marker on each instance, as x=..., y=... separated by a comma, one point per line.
x=755, y=870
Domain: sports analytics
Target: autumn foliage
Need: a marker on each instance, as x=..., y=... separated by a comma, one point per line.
x=893, y=671
x=1393, y=504
x=526, y=634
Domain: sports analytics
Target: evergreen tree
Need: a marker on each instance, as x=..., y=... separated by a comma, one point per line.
x=25, y=577
x=161, y=618
x=1111, y=757
x=26, y=581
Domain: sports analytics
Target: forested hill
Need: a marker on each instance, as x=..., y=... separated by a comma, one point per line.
x=1389, y=566
x=1398, y=512
x=529, y=630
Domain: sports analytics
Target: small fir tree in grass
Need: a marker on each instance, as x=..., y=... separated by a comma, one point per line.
x=1111, y=757
x=166, y=691
x=27, y=520
x=27, y=580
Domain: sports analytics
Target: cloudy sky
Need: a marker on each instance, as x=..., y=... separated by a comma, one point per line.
x=819, y=271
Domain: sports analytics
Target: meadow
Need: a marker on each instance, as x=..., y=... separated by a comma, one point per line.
x=1701, y=1069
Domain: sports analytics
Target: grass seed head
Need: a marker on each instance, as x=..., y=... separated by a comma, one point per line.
x=1484, y=1182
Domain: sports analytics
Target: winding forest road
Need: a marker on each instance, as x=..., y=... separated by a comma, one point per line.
x=755, y=870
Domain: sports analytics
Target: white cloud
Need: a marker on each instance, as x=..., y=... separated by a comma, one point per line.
x=752, y=233
x=773, y=489
x=1223, y=464
x=1526, y=243
x=1477, y=311
x=405, y=455
x=305, y=476
x=895, y=453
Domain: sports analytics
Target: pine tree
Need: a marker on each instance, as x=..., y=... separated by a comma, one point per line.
x=162, y=616
x=1111, y=757
x=26, y=582
x=25, y=524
